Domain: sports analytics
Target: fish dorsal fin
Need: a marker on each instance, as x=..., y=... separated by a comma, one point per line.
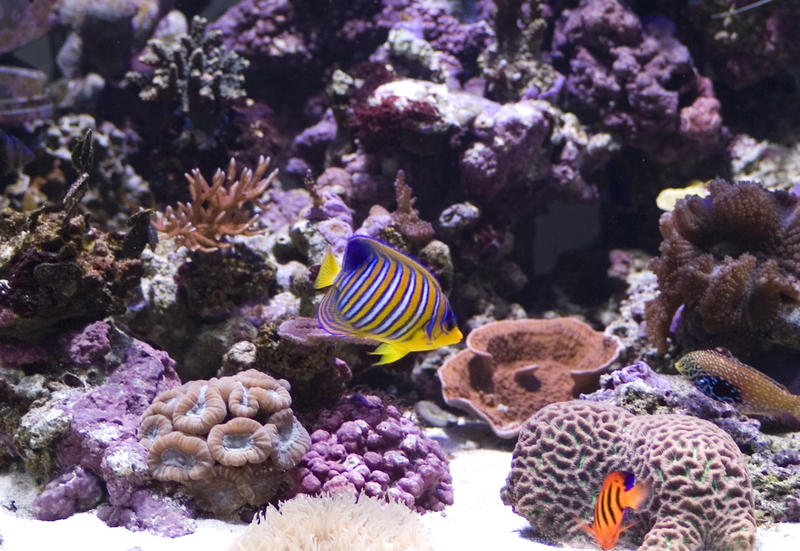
x=760, y=374
x=636, y=496
x=360, y=248
x=358, y=252
x=328, y=271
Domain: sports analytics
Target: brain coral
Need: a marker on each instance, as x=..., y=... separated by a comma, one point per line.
x=701, y=497
x=732, y=259
x=512, y=368
x=230, y=440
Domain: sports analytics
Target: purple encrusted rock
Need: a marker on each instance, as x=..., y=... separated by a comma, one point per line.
x=90, y=346
x=160, y=515
x=784, y=458
x=364, y=445
x=98, y=444
x=638, y=371
x=72, y=492
x=638, y=78
x=640, y=390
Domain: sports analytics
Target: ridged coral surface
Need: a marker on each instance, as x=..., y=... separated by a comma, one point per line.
x=701, y=497
x=230, y=440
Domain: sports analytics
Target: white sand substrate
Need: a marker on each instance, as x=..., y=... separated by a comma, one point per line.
x=478, y=520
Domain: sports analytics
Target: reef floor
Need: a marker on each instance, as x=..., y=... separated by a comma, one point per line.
x=477, y=519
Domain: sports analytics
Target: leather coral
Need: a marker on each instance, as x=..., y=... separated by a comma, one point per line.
x=732, y=259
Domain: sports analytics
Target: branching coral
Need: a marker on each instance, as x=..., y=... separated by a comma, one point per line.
x=228, y=440
x=217, y=209
x=731, y=259
x=512, y=368
x=701, y=497
x=406, y=217
x=192, y=70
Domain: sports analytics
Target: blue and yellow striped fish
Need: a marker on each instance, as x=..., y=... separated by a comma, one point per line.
x=383, y=294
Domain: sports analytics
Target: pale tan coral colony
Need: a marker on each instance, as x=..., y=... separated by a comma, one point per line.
x=228, y=440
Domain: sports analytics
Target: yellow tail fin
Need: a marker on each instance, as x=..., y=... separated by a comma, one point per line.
x=388, y=353
x=328, y=271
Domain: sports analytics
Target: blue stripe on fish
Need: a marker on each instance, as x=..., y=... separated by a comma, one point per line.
x=355, y=311
x=383, y=294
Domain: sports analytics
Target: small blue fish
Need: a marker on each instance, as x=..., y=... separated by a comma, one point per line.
x=382, y=294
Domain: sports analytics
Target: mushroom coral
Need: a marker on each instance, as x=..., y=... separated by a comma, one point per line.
x=230, y=441
x=732, y=259
x=512, y=368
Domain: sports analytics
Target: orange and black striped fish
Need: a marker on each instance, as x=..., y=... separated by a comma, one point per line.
x=619, y=492
x=382, y=294
x=724, y=378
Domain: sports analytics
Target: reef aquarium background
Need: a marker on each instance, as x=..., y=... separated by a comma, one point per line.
x=399, y=274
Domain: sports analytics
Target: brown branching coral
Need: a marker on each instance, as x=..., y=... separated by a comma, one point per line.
x=217, y=209
x=406, y=217
x=732, y=259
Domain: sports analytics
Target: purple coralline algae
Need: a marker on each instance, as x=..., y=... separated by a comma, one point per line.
x=365, y=445
x=524, y=150
x=89, y=433
x=742, y=45
x=23, y=21
x=641, y=390
x=284, y=38
x=73, y=491
x=637, y=78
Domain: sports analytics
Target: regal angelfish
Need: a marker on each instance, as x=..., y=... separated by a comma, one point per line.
x=382, y=294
